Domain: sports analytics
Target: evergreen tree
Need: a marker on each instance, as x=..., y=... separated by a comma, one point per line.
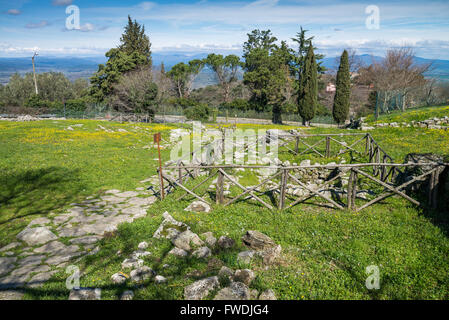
x=268, y=70
x=340, y=109
x=308, y=88
x=135, y=40
x=132, y=53
x=303, y=47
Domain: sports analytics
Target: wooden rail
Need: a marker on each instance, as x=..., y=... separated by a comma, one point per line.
x=358, y=174
x=380, y=170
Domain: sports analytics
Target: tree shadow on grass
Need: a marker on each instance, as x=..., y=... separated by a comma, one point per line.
x=35, y=192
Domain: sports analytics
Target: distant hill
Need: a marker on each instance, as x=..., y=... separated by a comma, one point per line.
x=440, y=68
x=84, y=67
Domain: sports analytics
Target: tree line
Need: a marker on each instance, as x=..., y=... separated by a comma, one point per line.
x=276, y=78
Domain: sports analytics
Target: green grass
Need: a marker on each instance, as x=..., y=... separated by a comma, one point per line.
x=325, y=252
x=412, y=114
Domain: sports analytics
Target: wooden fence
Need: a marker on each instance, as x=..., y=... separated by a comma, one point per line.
x=360, y=174
x=380, y=173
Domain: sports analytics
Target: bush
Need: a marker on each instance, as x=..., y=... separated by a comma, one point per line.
x=200, y=112
x=239, y=104
x=35, y=101
x=322, y=111
x=184, y=102
x=75, y=105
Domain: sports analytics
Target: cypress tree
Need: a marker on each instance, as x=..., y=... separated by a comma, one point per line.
x=340, y=109
x=308, y=88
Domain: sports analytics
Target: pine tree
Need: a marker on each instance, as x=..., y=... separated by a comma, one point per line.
x=308, y=88
x=132, y=53
x=134, y=40
x=340, y=109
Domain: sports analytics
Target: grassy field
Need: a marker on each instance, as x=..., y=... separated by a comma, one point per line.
x=46, y=166
x=413, y=114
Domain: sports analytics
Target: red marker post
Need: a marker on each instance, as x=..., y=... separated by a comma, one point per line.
x=157, y=139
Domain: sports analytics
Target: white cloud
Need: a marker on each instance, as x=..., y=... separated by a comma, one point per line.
x=7, y=49
x=42, y=24
x=13, y=12
x=146, y=5
x=87, y=27
x=62, y=2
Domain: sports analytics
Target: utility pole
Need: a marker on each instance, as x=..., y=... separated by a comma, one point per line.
x=34, y=72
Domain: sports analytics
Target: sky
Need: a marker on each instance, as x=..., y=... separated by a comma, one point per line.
x=221, y=26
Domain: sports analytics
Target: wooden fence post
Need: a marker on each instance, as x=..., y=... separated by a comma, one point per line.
x=433, y=188
x=283, y=188
x=367, y=145
x=328, y=146
x=219, y=188
x=350, y=190
x=297, y=145
x=180, y=172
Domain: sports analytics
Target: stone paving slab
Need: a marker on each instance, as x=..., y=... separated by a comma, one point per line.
x=84, y=222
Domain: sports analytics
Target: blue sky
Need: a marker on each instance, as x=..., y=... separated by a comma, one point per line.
x=221, y=26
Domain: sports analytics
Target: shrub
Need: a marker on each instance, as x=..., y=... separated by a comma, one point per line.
x=185, y=102
x=35, y=101
x=322, y=111
x=239, y=104
x=200, y=112
x=75, y=105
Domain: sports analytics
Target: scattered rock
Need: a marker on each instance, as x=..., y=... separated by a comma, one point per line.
x=253, y=294
x=270, y=255
x=142, y=274
x=140, y=254
x=160, y=279
x=118, y=278
x=257, y=240
x=143, y=245
x=214, y=263
x=225, y=242
x=201, y=288
x=132, y=263
x=202, y=253
x=246, y=256
x=264, y=245
x=209, y=239
x=35, y=236
x=169, y=223
x=198, y=206
x=267, y=295
x=127, y=295
x=85, y=294
x=178, y=252
x=225, y=272
x=236, y=291
x=246, y=276
x=187, y=239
